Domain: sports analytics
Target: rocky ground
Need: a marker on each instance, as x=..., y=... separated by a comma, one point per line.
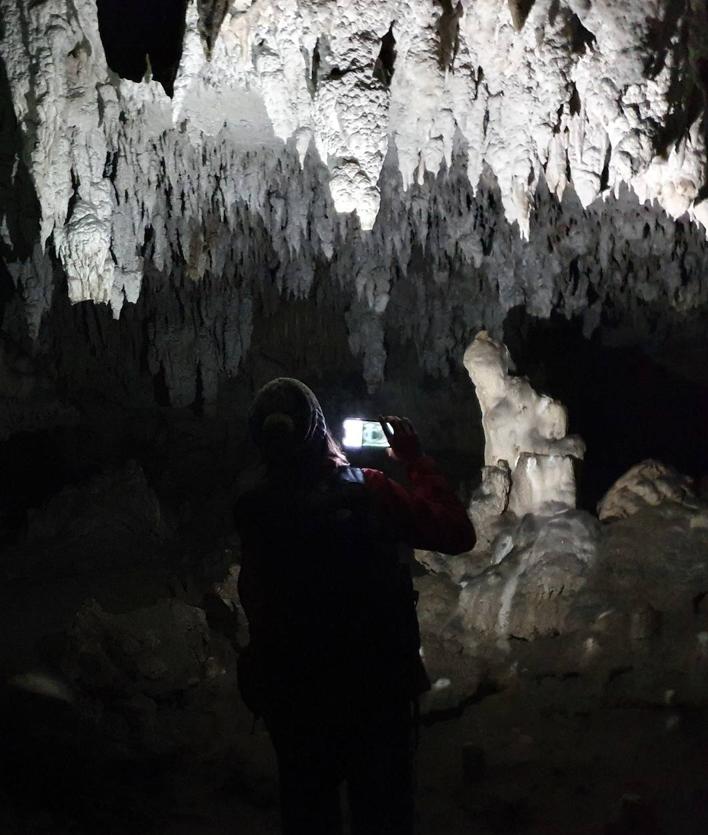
x=120, y=711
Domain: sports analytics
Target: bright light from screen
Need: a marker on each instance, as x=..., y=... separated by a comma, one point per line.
x=360, y=433
x=353, y=433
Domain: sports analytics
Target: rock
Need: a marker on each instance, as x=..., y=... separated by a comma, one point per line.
x=456, y=677
x=441, y=697
x=645, y=623
x=156, y=651
x=458, y=567
x=656, y=557
x=524, y=429
x=437, y=599
x=226, y=618
x=113, y=518
x=702, y=487
x=488, y=503
x=155, y=680
x=649, y=483
x=28, y=397
x=636, y=814
x=542, y=565
x=700, y=520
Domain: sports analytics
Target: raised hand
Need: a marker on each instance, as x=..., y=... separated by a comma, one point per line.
x=402, y=438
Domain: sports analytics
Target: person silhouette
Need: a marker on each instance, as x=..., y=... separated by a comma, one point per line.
x=333, y=665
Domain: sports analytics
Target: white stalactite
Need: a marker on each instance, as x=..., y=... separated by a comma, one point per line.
x=575, y=100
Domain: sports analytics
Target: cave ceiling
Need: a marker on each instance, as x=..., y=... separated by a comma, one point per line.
x=443, y=162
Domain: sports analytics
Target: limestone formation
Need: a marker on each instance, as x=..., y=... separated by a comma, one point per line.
x=535, y=552
x=156, y=651
x=583, y=93
x=156, y=679
x=541, y=482
x=531, y=153
x=647, y=484
x=28, y=400
x=539, y=567
x=526, y=430
x=111, y=520
x=489, y=502
x=117, y=502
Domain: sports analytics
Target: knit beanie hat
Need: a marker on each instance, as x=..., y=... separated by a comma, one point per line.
x=286, y=418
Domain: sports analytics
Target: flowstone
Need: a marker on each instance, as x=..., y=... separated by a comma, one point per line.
x=488, y=503
x=540, y=566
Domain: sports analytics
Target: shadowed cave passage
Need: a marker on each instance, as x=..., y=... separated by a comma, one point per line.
x=628, y=401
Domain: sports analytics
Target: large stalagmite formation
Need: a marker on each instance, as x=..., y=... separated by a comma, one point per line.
x=534, y=549
x=524, y=432
x=534, y=153
x=551, y=584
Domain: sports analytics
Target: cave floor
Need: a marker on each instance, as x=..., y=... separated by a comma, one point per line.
x=506, y=765
x=499, y=769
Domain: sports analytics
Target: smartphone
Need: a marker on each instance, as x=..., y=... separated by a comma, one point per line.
x=360, y=433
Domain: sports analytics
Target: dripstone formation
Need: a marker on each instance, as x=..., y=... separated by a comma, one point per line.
x=463, y=159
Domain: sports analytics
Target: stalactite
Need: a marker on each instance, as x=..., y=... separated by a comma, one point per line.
x=522, y=170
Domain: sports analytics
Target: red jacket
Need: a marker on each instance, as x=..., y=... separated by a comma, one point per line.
x=429, y=515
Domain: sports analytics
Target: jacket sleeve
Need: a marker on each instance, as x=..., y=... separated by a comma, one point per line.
x=428, y=515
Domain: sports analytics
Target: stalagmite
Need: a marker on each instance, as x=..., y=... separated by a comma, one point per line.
x=535, y=552
x=523, y=429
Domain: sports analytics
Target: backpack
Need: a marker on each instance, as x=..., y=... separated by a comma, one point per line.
x=337, y=609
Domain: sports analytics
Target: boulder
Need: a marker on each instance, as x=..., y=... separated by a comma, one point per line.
x=156, y=651
x=647, y=484
x=156, y=680
x=111, y=519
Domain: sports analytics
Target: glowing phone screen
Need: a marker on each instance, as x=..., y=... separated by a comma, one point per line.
x=360, y=433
